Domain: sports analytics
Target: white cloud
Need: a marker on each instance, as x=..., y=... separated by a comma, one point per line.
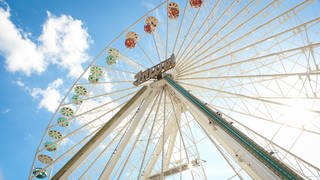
x=63, y=42
x=20, y=52
x=50, y=97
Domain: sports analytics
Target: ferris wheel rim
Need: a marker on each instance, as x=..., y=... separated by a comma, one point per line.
x=182, y=81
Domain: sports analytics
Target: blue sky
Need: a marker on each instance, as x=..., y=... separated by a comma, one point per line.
x=44, y=46
x=30, y=91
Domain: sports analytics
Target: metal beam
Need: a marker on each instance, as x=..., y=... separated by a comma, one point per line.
x=115, y=158
x=258, y=162
x=172, y=141
x=84, y=152
x=171, y=129
x=176, y=170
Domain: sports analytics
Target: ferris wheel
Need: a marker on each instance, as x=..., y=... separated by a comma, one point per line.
x=195, y=89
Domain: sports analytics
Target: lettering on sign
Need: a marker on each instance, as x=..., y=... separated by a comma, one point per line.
x=155, y=72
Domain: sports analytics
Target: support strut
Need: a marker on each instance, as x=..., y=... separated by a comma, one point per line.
x=259, y=162
x=85, y=151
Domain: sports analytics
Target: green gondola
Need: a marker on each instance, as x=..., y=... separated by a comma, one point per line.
x=40, y=173
x=80, y=90
x=63, y=122
x=50, y=146
x=111, y=60
x=66, y=111
x=93, y=79
x=96, y=71
x=76, y=100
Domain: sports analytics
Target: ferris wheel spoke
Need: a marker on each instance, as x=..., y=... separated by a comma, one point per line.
x=110, y=93
x=167, y=34
x=256, y=59
x=83, y=140
x=140, y=132
x=69, y=151
x=300, y=162
x=258, y=28
x=146, y=54
x=150, y=134
x=212, y=11
x=118, y=146
x=169, y=130
x=103, y=132
x=291, y=10
x=265, y=145
x=292, y=145
x=264, y=65
x=256, y=98
x=161, y=43
x=218, y=19
x=85, y=99
x=298, y=74
x=180, y=133
x=155, y=44
x=188, y=31
x=132, y=63
x=197, y=44
x=192, y=66
x=220, y=150
x=74, y=132
x=270, y=97
x=123, y=136
x=113, y=160
x=65, y=138
x=138, y=136
x=260, y=81
x=106, y=82
x=91, y=109
x=251, y=115
x=133, y=165
x=234, y=30
x=121, y=129
x=105, y=149
x=247, y=97
x=180, y=26
x=195, y=145
x=119, y=70
x=311, y=50
x=278, y=96
x=87, y=124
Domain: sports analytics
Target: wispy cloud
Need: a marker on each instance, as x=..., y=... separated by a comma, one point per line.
x=5, y=111
x=49, y=97
x=19, y=83
x=28, y=136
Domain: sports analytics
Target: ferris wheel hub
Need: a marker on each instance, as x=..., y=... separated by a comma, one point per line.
x=156, y=72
